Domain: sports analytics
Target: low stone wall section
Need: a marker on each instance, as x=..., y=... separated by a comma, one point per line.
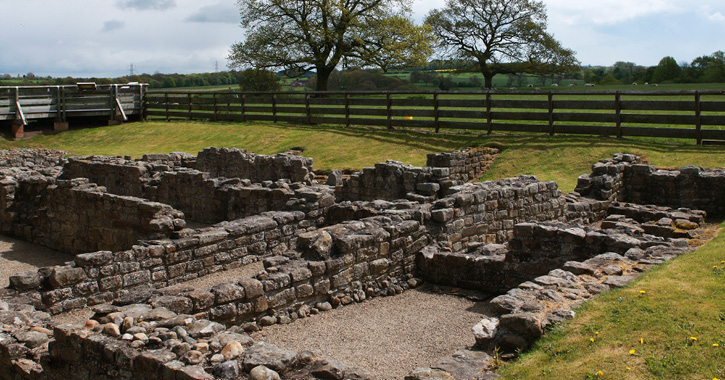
x=486, y=212
x=236, y=163
x=75, y=216
x=100, y=277
x=333, y=266
x=464, y=165
x=534, y=250
x=690, y=187
x=393, y=180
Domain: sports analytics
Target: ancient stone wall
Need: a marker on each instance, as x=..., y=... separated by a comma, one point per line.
x=464, y=165
x=393, y=180
x=336, y=265
x=75, y=216
x=486, y=212
x=118, y=175
x=103, y=276
x=534, y=250
x=236, y=163
x=690, y=187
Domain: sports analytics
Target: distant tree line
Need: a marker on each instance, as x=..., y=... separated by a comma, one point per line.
x=157, y=80
x=704, y=69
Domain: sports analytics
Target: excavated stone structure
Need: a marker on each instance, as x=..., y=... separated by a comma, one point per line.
x=377, y=233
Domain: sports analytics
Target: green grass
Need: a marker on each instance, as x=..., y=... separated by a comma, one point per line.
x=682, y=299
x=560, y=158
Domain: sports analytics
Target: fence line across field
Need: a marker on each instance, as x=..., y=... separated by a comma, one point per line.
x=696, y=115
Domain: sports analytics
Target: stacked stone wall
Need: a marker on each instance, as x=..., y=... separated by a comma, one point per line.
x=690, y=187
x=464, y=165
x=486, y=212
x=336, y=265
x=534, y=250
x=118, y=175
x=103, y=276
x=236, y=163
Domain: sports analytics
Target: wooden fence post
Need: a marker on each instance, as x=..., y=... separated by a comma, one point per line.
x=489, y=116
x=618, y=113
x=551, y=113
x=390, y=110
x=166, y=100
x=698, y=117
x=436, y=116
x=308, y=111
x=274, y=108
x=190, y=108
x=243, y=103
x=347, y=110
x=216, y=110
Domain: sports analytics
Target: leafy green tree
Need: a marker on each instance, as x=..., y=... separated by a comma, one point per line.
x=666, y=70
x=301, y=35
x=259, y=80
x=500, y=36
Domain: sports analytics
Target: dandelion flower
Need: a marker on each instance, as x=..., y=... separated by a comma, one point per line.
x=642, y=292
x=694, y=339
x=629, y=369
x=596, y=333
x=600, y=373
x=715, y=345
x=631, y=352
x=641, y=340
x=591, y=340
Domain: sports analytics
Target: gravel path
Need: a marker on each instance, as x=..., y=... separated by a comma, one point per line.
x=20, y=256
x=388, y=336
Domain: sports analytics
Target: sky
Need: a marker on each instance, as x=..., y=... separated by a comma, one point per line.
x=103, y=38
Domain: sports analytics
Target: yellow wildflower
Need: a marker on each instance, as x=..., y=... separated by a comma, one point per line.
x=641, y=340
x=631, y=352
x=600, y=373
x=642, y=292
x=591, y=340
x=715, y=345
x=694, y=339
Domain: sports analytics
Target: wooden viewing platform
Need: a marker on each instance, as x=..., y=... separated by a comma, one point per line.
x=21, y=104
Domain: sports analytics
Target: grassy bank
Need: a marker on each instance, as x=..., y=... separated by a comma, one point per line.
x=560, y=158
x=670, y=324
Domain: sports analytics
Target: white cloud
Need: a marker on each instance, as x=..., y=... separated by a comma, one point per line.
x=717, y=17
x=143, y=5
x=221, y=12
x=112, y=25
x=608, y=12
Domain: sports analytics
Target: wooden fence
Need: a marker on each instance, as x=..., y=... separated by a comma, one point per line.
x=696, y=115
x=23, y=103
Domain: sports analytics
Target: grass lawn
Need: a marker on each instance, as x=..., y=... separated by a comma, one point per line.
x=560, y=158
x=670, y=324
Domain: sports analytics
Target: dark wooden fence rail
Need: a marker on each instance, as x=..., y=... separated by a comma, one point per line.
x=698, y=115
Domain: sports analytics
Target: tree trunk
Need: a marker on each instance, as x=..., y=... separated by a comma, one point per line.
x=488, y=79
x=323, y=75
x=487, y=74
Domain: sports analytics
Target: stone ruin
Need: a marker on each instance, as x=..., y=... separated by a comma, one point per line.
x=133, y=228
